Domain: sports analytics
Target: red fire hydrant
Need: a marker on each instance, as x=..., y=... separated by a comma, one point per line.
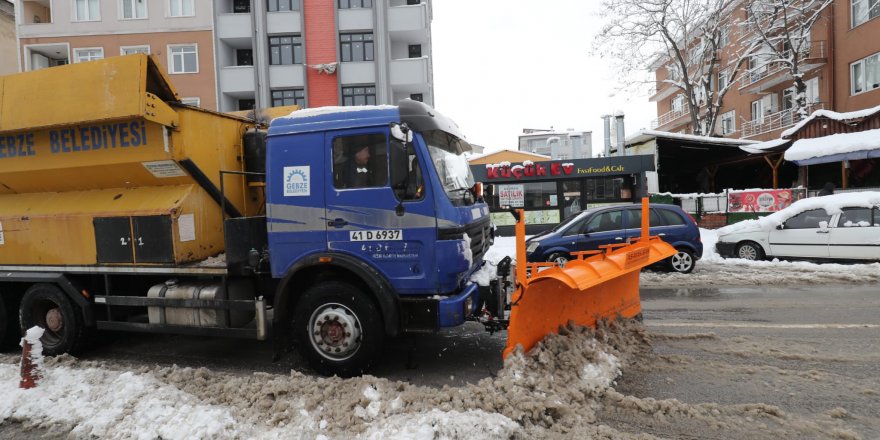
x=31, y=358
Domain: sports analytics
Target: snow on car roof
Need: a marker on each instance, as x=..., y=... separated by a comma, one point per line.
x=832, y=204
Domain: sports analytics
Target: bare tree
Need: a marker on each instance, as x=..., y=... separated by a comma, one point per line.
x=687, y=37
x=782, y=28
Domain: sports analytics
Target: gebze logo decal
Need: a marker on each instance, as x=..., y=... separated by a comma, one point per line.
x=296, y=181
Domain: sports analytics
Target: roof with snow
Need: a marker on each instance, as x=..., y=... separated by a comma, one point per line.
x=835, y=148
x=647, y=135
x=841, y=117
x=506, y=152
x=771, y=146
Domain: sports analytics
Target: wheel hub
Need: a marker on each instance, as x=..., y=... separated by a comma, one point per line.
x=681, y=261
x=54, y=319
x=335, y=331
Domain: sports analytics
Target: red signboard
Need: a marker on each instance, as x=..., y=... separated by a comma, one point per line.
x=763, y=200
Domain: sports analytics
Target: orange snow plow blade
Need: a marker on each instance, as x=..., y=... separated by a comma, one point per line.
x=597, y=285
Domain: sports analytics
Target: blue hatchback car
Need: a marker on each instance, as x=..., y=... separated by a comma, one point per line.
x=588, y=230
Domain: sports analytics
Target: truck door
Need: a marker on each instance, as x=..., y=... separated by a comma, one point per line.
x=378, y=209
x=295, y=166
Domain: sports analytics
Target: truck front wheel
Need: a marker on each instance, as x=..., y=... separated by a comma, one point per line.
x=45, y=305
x=339, y=328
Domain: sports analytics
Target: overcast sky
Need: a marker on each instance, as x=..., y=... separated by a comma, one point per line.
x=500, y=67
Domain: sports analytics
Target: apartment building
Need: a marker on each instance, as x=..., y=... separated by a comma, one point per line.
x=8, y=48
x=178, y=32
x=841, y=68
x=317, y=53
x=557, y=144
x=232, y=55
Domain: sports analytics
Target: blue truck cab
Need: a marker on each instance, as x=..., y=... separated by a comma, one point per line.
x=373, y=228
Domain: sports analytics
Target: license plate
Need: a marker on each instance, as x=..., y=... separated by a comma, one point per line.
x=380, y=235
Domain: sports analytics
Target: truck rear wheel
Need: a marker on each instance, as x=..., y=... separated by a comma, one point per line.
x=339, y=328
x=45, y=305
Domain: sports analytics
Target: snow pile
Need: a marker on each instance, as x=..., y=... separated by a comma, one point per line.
x=32, y=337
x=834, y=144
x=111, y=404
x=320, y=111
x=549, y=391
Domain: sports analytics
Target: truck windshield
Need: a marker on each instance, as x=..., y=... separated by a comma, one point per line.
x=447, y=153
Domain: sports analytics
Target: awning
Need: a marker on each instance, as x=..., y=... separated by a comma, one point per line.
x=835, y=148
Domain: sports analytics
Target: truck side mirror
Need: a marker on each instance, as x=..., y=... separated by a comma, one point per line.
x=399, y=164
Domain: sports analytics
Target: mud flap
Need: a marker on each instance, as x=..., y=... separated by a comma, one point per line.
x=596, y=286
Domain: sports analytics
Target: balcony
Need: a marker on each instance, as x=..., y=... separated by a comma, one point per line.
x=237, y=79
x=287, y=76
x=234, y=26
x=763, y=77
x=671, y=116
x=409, y=23
x=357, y=72
x=775, y=121
x=409, y=72
x=355, y=19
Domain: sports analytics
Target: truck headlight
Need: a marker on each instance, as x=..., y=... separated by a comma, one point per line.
x=532, y=247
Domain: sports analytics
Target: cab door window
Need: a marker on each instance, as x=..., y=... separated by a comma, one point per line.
x=360, y=161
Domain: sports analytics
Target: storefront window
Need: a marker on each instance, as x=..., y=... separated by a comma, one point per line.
x=608, y=189
x=571, y=197
x=540, y=195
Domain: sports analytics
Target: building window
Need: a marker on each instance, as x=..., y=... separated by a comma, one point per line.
x=356, y=47
x=724, y=38
x=133, y=9
x=87, y=10
x=758, y=111
x=285, y=49
x=183, y=59
x=246, y=104
x=128, y=50
x=417, y=97
x=864, y=10
x=289, y=97
x=244, y=57
x=413, y=2
x=865, y=74
x=678, y=103
x=415, y=50
x=284, y=5
x=181, y=8
x=194, y=102
x=362, y=95
x=723, y=80
x=349, y=4
x=241, y=6
x=88, y=54
x=728, y=122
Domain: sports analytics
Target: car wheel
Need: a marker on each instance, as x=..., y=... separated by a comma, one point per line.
x=559, y=258
x=682, y=262
x=749, y=251
x=339, y=328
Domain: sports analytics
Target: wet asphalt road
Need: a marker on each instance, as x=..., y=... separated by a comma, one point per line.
x=826, y=330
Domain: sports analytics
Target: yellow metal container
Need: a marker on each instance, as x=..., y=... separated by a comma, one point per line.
x=101, y=152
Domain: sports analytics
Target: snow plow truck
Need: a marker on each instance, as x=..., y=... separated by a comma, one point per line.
x=329, y=230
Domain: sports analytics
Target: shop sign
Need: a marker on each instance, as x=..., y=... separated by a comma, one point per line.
x=529, y=169
x=511, y=195
x=770, y=200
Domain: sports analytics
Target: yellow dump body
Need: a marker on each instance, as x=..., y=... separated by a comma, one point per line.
x=92, y=168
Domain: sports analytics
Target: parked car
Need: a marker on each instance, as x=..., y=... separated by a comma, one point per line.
x=835, y=227
x=595, y=227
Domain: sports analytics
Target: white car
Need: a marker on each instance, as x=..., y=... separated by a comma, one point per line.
x=840, y=227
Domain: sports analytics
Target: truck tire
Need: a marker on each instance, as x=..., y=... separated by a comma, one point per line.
x=45, y=305
x=339, y=328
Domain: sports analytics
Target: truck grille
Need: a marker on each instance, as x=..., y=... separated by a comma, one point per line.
x=479, y=233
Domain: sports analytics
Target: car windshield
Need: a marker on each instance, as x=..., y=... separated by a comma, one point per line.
x=447, y=153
